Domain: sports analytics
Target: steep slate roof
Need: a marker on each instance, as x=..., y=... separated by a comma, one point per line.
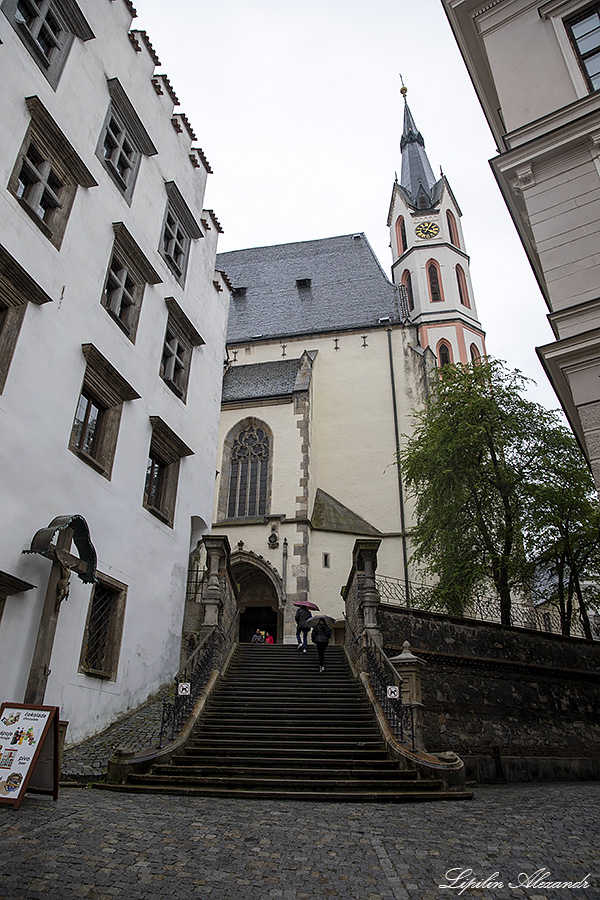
x=331, y=515
x=348, y=288
x=260, y=380
x=416, y=177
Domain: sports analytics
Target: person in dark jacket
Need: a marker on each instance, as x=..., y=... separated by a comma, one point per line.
x=302, y=615
x=320, y=636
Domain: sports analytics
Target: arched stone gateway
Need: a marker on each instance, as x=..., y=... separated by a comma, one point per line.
x=261, y=596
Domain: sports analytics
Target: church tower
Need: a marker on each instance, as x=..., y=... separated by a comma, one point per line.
x=429, y=257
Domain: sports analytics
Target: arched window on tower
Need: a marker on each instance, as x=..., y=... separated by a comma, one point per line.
x=434, y=280
x=444, y=353
x=452, y=228
x=401, y=241
x=463, y=291
x=249, y=470
x=475, y=354
x=407, y=282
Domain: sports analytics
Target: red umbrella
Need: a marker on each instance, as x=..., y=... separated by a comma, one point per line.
x=306, y=603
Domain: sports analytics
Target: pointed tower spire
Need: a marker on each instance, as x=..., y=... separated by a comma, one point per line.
x=430, y=263
x=416, y=176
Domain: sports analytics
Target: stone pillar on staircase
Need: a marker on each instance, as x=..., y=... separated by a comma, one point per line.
x=365, y=555
x=410, y=666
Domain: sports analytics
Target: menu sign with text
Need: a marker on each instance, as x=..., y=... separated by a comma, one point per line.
x=28, y=750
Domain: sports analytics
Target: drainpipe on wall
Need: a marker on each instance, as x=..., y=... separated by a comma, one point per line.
x=400, y=488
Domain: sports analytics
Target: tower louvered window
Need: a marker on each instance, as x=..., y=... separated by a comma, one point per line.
x=444, y=355
x=435, y=289
x=248, y=478
x=463, y=292
x=407, y=282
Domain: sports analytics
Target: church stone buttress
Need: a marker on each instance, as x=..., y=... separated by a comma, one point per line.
x=429, y=258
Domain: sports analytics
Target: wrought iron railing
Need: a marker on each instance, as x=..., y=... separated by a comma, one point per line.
x=484, y=609
x=367, y=656
x=192, y=677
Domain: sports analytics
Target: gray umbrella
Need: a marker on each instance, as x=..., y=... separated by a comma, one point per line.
x=314, y=619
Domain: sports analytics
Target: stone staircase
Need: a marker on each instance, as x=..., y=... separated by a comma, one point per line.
x=277, y=728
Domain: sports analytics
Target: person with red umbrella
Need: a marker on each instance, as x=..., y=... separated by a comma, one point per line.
x=303, y=613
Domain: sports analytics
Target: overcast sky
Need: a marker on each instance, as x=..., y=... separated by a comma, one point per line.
x=298, y=110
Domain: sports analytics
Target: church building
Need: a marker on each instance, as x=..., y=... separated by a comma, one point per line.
x=327, y=360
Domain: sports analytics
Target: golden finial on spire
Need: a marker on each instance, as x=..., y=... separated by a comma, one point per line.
x=403, y=90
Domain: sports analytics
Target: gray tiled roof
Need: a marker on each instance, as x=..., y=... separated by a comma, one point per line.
x=348, y=288
x=331, y=515
x=260, y=380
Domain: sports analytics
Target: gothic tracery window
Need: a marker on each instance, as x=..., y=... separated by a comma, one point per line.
x=248, y=479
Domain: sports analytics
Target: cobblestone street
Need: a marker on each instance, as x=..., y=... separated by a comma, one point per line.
x=99, y=845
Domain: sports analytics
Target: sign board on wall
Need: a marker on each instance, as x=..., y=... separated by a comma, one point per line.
x=28, y=751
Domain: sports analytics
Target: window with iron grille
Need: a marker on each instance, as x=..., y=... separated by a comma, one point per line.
x=102, y=637
x=584, y=31
x=47, y=173
x=47, y=28
x=249, y=471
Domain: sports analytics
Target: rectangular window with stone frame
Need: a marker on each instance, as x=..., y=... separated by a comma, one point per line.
x=162, y=471
x=98, y=412
x=178, y=231
x=17, y=289
x=48, y=28
x=180, y=339
x=123, y=141
x=128, y=273
x=47, y=174
x=584, y=33
x=103, y=629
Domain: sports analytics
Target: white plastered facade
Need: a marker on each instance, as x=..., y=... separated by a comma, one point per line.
x=41, y=476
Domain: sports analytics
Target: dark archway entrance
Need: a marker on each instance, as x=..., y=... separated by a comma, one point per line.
x=258, y=597
x=254, y=617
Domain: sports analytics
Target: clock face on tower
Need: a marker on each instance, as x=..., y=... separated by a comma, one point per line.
x=427, y=230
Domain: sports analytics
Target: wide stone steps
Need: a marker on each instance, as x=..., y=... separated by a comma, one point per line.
x=277, y=728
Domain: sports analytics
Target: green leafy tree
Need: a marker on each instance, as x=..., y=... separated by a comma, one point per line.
x=562, y=526
x=469, y=464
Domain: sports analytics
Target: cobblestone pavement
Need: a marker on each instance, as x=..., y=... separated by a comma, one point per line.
x=100, y=846
x=139, y=730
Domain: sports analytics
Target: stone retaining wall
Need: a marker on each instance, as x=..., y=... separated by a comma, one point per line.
x=533, y=696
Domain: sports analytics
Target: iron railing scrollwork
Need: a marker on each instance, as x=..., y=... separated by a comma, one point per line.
x=369, y=657
x=539, y=617
x=210, y=654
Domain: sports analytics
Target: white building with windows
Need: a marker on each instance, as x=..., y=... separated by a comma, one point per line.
x=536, y=70
x=328, y=359
x=112, y=339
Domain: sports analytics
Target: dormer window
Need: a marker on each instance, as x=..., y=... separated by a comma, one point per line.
x=303, y=283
